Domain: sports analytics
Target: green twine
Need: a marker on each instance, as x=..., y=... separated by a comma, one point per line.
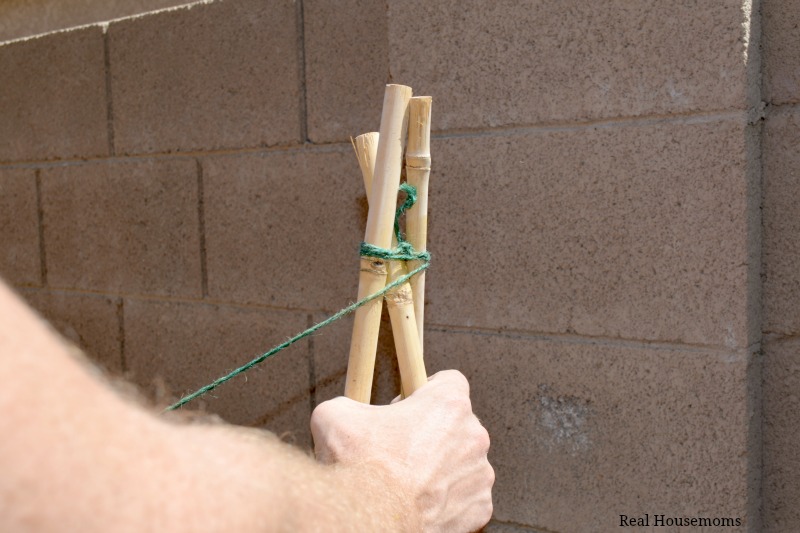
x=403, y=252
x=411, y=199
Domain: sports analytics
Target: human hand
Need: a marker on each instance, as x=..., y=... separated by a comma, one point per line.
x=431, y=445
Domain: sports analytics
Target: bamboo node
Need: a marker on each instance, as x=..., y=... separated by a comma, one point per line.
x=374, y=265
x=400, y=296
x=419, y=162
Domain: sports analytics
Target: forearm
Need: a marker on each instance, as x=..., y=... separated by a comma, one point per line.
x=265, y=485
x=71, y=448
x=76, y=456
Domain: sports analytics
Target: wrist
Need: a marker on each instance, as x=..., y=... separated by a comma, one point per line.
x=372, y=485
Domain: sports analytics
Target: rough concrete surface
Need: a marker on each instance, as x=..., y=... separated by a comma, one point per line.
x=585, y=432
x=20, y=259
x=283, y=228
x=220, y=75
x=508, y=62
x=781, y=433
x=21, y=18
x=632, y=231
x=781, y=43
x=90, y=321
x=347, y=66
x=123, y=227
x=782, y=221
x=53, y=97
x=172, y=349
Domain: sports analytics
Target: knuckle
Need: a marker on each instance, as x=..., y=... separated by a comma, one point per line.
x=315, y=422
x=492, y=476
x=325, y=414
x=482, y=440
x=459, y=380
x=453, y=379
x=482, y=513
x=488, y=511
x=320, y=414
x=457, y=404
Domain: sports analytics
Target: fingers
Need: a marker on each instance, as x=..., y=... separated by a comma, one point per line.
x=447, y=387
x=445, y=382
x=441, y=440
x=452, y=379
x=448, y=391
x=485, y=508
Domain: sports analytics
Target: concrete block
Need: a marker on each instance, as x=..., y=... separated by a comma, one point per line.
x=90, y=321
x=781, y=236
x=53, y=97
x=283, y=228
x=20, y=260
x=583, y=432
x=526, y=62
x=213, y=76
x=781, y=51
x=21, y=19
x=174, y=348
x=781, y=433
x=331, y=349
x=636, y=232
x=347, y=67
x=123, y=227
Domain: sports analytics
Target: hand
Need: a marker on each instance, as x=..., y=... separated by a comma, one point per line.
x=431, y=445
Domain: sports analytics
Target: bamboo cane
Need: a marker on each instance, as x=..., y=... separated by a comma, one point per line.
x=400, y=300
x=400, y=303
x=380, y=221
x=418, y=170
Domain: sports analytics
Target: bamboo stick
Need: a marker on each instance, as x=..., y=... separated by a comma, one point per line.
x=418, y=170
x=380, y=221
x=400, y=303
x=400, y=300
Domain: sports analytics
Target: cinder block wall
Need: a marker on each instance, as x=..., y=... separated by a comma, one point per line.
x=23, y=18
x=178, y=193
x=781, y=340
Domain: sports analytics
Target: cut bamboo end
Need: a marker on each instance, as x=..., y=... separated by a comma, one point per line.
x=380, y=222
x=366, y=148
x=418, y=169
x=400, y=300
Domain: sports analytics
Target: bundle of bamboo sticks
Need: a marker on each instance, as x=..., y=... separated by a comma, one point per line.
x=380, y=157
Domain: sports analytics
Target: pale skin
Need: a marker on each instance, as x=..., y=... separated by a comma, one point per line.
x=77, y=456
